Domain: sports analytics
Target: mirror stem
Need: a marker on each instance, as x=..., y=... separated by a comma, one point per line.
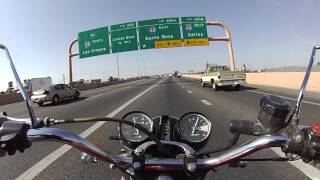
x=304, y=85
x=20, y=86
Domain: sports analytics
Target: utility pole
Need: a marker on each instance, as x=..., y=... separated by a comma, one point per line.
x=118, y=65
x=63, y=79
x=145, y=69
x=138, y=65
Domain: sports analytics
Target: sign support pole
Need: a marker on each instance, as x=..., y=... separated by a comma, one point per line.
x=227, y=38
x=118, y=66
x=71, y=55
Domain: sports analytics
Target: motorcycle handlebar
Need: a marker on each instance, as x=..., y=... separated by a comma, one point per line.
x=288, y=141
x=54, y=134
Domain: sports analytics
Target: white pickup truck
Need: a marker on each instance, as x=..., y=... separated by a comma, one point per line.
x=220, y=76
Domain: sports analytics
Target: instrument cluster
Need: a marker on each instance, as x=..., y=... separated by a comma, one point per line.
x=193, y=129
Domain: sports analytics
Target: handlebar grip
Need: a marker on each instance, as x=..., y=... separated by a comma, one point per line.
x=246, y=127
x=9, y=129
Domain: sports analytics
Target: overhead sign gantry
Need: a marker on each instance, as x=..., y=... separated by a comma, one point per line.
x=147, y=34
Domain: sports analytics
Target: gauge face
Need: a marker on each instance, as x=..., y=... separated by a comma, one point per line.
x=132, y=134
x=194, y=127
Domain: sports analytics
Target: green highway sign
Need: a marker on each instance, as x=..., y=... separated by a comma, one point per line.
x=147, y=34
x=194, y=31
x=94, y=42
x=159, y=33
x=124, y=37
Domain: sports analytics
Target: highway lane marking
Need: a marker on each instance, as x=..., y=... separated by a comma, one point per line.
x=189, y=91
x=94, y=96
x=101, y=93
x=307, y=169
x=304, y=101
x=37, y=168
x=206, y=102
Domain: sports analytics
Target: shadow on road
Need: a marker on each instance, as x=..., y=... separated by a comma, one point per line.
x=243, y=88
x=64, y=102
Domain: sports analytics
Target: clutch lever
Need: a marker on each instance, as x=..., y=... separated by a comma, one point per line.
x=39, y=122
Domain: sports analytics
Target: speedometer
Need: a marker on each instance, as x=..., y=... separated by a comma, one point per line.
x=132, y=134
x=194, y=127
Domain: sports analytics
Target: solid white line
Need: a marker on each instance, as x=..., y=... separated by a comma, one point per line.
x=308, y=102
x=189, y=91
x=206, y=102
x=307, y=169
x=46, y=161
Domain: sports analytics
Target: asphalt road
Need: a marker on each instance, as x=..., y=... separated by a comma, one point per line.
x=172, y=97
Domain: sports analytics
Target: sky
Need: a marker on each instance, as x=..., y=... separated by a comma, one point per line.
x=271, y=33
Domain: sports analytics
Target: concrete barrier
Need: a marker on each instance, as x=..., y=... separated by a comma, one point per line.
x=83, y=87
x=291, y=80
x=10, y=98
x=16, y=97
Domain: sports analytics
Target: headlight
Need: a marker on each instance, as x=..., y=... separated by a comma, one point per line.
x=194, y=127
x=132, y=134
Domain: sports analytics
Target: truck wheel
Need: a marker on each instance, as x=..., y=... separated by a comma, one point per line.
x=203, y=84
x=237, y=87
x=76, y=95
x=55, y=99
x=215, y=87
x=40, y=103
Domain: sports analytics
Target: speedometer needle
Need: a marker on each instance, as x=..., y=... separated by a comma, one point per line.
x=194, y=127
x=137, y=131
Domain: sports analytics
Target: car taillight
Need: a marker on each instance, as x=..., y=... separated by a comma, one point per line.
x=46, y=92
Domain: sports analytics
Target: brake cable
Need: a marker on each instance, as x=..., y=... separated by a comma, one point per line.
x=154, y=138
x=265, y=159
x=270, y=159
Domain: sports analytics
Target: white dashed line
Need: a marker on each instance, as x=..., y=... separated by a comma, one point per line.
x=206, y=102
x=285, y=97
x=94, y=96
x=49, y=159
x=189, y=91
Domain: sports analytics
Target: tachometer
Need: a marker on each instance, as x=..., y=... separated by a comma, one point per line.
x=132, y=134
x=194, y=127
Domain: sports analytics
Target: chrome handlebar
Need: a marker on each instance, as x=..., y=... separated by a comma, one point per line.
x=55, y=134
x=156, y=164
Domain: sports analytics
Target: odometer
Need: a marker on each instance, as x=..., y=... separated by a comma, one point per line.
x=194, y=127
x=132, y=134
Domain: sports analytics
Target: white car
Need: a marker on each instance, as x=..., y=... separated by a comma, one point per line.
x=55, y=94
